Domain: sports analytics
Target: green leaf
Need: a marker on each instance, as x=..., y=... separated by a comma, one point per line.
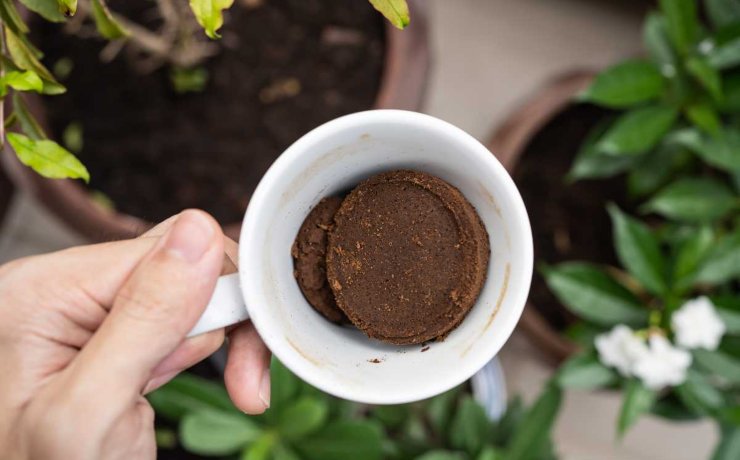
x=391, y=416
x=24, y=58
x=731, y=89
x=590, y=163
x=699, y=395
x=209, y=14
x=729, y=445
x=690, y=254
x=11, y=18
x=593, y=295
x=719, y=364
x=470, y=426
x=706, y=75
x=490, y=453
x=682, y=22
x=695, y=200
x=582, y=333
x=721, y=151
x=654, y=169
x=21, y=81
x=440, y=410
x=637, y=131
x=725, y=56
x=534, y=431
x=671, y=408
x=730, y=318
x=396, y=11
x=638, y=400
x=189, y=393
x=301, y=418
x=722, y=12
x=584, y=372
x=282, y=452
x=29, y=125
x=703, y=116
x=48, y=9
x=638, y=250
x=212, y=432
x=343, y=440
x=67, y=7
x=722, y=264
x=106, y=23
x=261, y=449
x=47, y=158
x=625, y=85
x=188, y=80
x=442, y=455
x=655, y=37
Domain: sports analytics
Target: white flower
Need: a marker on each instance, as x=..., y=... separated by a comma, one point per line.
x=697, y=324
x=663, y=365
x=621, y=349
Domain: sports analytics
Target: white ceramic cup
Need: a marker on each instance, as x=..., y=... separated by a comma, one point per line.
x=341, y=360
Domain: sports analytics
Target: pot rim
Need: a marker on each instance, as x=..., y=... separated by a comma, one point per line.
x=402, y=86
x=508, y=142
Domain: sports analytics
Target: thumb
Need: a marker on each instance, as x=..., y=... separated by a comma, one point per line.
x=156, y=307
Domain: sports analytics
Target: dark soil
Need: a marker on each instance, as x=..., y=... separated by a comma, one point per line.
x=569, y=221
x=154, y=151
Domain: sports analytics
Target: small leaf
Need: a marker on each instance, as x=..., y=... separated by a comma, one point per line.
x=209, y=14
x=703, y=116
x=11, y=18
x=29, y=125
x=442, y=455
x=637, y=131
x=690, y=254
x=439, y=410
x=654, y=169
x=47, y=158
x=282, y=452
x=391, y=416
x=217, y=433
x=593, y=295
x=24, y=58
x=590, y=163
x=699, y=395
x=638, y=400
x=722, y=12
x=729, y=445
x=302, y=417
x=721, y=151
x=694, y=200
x=706, y=75
x=470, y=426
x=722, y=264
x=719, y=364
x=625, y=85
x=188, y=393
x=725, y=56
x=655, y=37
x=67, y=7
x=261, y=449
x=396, y=11
x=638, y=251
x=21, y=81
x=534, y=431
x=343, y=440
x=106, y=23
x=48, y=9
x=682, y=22
x=490, y=453
x=585, y=372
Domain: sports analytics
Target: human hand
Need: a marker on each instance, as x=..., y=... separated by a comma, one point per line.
x=86, y=332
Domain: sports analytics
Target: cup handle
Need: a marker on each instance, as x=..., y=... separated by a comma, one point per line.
x=225, y=308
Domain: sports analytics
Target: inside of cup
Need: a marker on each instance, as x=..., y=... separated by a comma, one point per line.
x=332, y=159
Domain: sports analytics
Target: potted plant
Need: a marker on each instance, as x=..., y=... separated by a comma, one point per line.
x=178, y=120
x=196, y=416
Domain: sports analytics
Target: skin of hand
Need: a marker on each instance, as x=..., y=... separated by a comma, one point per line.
x=86, y=332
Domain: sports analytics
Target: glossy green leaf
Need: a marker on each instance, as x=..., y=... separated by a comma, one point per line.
x=653, y=170
x=396, y=11
x=29, y=125
x=682, y=22
x=695, y=200
x=21, y=81
x=108, y=26
x=706, y=75
x=699, y=395
x=729, y=444
x=704, y=117
x=48, y=9
x=689, y=255
x=67, y=7
x=217, y=433
x=590, y=163
x=343, y=440
x=47, y=158
x=209, y=14
x=625, y=85
x=638, y=250
x=302, y=417
x=585, y=372
x=442, y=455
x=637, y=131
x=594, y=295
x=719, y=364
x=188, y=393
x=638, y=400
x=469, y=427
x=25, y=59
x=722, y=12
x=534, y=431
x=655, y=37
x=722, y=263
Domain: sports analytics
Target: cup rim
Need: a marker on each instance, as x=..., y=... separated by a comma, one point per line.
x=283, y=164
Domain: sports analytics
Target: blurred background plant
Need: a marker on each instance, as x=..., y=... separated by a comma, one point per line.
x=663, y=328
x=304, y=423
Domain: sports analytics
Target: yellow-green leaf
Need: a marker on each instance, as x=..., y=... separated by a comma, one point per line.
x=67, y=7
x=22, y=81
x=25, y=59
x=106, y=23
x=209, y=14
x=48, y=158
x=48, y=9
x=11, y=18
x=396, y=11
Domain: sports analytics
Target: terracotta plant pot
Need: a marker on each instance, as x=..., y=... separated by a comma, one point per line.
x=402, y=87
x=509, y=142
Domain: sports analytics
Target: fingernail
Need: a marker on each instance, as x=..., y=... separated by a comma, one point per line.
x=264, y=392
x=190, y=236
